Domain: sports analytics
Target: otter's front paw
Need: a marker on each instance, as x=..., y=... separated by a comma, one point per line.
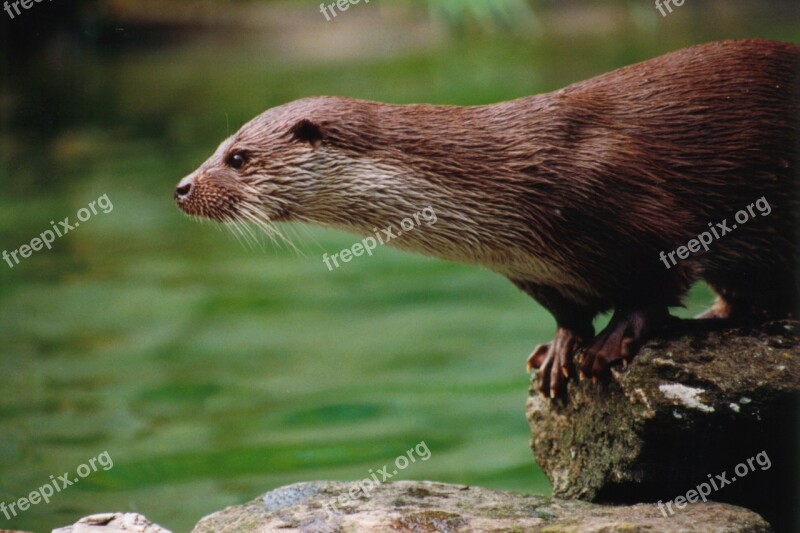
x=553, y=362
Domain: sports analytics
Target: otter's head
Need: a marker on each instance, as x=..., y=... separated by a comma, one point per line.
x=273, y=169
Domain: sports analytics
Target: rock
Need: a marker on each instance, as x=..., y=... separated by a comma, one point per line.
x=333, y=507
x=113, y=523
x=685, y=411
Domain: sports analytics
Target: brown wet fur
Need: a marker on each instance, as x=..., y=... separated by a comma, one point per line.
x=589, y=184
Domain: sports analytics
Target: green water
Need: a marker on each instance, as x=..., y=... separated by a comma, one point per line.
x=211, y=371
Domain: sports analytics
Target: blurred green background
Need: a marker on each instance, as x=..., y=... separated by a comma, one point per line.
x=212, y=371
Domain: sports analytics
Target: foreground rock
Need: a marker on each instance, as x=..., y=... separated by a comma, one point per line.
x=328, y=507
x=686, y=411
x=113, y=523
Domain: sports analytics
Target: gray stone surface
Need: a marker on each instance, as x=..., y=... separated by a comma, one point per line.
x=113, y=523
x=685, y=408
x=407, y=506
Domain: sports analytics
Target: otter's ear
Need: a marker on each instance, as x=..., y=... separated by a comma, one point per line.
x=307, y=131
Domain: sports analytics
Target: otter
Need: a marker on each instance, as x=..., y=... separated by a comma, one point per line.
x=575, y=195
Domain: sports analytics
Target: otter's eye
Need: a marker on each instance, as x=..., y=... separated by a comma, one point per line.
x=236, y=160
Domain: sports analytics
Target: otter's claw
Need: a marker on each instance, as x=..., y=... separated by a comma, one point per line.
x=537, y=357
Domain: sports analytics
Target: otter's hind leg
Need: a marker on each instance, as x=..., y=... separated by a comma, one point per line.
x=722, y=309
x=753, y=296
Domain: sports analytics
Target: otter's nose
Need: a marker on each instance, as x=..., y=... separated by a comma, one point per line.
x=184, y=188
